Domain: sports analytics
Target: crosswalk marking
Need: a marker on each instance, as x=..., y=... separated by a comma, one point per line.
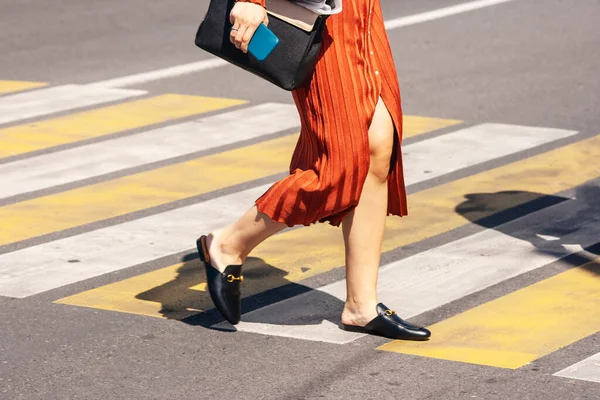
x=108, y=156
x=434, y=211
x=57, y=99
x=432, y=158
x=104, y=200
x=443, y=274
x=105, y=121
x=136, y=192
x=308, y=252
x=22, y=268
x=413, y=125
x=586, y=370
x=520, y=327
x=471, y=146
x=173, y=292
x=179, y=291
x=96, y=159
x=44, y=267
x=17, y=86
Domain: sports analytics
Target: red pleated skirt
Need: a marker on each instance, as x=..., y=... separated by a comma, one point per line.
x=331, y=159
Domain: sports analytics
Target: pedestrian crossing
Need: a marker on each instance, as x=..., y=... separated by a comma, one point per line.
x=129, y=181
x=131, y=193
x=320, y=248
x=437, y=276
x=106, y=121
x=146, y=147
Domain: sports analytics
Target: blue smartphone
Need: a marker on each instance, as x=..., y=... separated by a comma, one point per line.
x=262, y=43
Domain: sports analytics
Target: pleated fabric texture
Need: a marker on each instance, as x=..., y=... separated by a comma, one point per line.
x=331, y=160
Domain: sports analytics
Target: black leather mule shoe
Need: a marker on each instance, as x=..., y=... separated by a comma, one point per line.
x=390, y=325
x=224, y=287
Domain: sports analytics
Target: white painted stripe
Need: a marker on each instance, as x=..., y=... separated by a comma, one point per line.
x=57, y=99
x=186, y=69
x=441, y=13
x=131, y=151
x=436, y=277
x=471, y=146
x=482, y=142
x=45, y=267
x=586, y=370
x=117, y=247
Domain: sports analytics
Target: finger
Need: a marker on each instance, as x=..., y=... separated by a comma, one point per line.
x=266, y=21
x=233, y=15
x=233, y=33
x=239, y=37
x=247, y=37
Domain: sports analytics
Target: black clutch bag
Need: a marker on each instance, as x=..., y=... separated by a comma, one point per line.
x=292, y=62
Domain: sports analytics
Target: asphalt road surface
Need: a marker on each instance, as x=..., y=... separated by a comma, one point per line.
x=121, y=142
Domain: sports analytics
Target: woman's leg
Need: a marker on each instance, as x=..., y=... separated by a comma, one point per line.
x=232, y=244
x=363, y=228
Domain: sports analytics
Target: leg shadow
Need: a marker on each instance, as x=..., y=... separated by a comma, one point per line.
x=185, y=298
x=556, y=234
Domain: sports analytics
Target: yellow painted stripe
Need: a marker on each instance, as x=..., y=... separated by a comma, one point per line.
x=173, y=293
x=312, y=251
x=136, y=192
x=17, y=86
x=520, y=327
x=415, y=125
x=77, y=207
x=105, y=121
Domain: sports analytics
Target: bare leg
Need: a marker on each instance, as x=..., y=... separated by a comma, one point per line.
x=363, y=228
x=232, y=244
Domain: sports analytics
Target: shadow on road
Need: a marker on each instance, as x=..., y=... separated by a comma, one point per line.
x=185, y=298
x=552, y=238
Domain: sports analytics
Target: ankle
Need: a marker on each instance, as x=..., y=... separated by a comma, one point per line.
x=224, y=248
x=359, y=312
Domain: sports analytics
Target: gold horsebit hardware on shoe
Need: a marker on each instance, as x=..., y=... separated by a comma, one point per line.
x=389, y=313
x=232, y=278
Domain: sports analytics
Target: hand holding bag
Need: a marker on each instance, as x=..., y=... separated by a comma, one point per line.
x=292, y=62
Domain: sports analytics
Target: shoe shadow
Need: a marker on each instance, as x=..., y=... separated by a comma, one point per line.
x=554, y=237
x=185, y=298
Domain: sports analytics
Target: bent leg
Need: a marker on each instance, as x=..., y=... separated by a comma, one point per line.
x=363, y=228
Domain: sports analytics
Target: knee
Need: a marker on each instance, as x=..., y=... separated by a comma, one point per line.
x=381, y=145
